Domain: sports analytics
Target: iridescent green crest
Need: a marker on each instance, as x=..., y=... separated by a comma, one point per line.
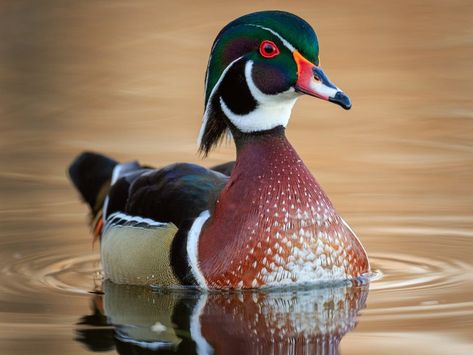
x=242, y=37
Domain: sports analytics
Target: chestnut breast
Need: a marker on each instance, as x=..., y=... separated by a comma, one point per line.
x=273, y=225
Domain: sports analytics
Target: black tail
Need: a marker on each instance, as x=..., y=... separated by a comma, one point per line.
x=91, y=174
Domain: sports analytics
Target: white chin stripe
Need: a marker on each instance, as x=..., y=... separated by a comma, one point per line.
x=271, y=110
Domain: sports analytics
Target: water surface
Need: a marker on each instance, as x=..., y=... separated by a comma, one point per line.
x=126, y=79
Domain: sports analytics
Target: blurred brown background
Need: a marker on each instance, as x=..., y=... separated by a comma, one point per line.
x=126, y=78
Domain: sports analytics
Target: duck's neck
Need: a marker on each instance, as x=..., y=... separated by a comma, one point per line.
x=247, y=143
x=269, y=169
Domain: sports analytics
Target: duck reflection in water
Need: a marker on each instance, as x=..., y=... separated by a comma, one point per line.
x=139, y=320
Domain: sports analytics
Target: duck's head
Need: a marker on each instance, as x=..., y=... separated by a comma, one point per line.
x=259, y=65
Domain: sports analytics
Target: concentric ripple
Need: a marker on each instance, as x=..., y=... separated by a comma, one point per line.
x=427, y=268
x=57, y=272
x=62, y=274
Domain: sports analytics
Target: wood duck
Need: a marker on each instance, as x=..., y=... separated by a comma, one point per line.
x=260, y=221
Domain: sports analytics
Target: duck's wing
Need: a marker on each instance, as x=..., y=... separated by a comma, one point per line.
x=149, y=214
x=143, y=215
x=225, y=168
x=174, y=194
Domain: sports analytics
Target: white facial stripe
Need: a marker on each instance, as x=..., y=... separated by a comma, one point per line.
x=257, y=94
x=279, y=106
x=205, y=118
x=271, y=110
x=283, y=40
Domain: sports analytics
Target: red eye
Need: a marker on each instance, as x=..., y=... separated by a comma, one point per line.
x=268, y=49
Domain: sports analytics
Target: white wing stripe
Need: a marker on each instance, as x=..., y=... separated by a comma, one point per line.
x=119, y=218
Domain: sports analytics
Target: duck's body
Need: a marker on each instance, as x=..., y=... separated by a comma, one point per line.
x=263, y=221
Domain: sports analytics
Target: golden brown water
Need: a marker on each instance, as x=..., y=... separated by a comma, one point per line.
x=126, y=79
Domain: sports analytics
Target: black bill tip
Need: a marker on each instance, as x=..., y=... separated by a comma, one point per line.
x=341, y=99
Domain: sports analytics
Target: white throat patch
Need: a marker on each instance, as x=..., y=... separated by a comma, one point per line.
x=271, y=110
